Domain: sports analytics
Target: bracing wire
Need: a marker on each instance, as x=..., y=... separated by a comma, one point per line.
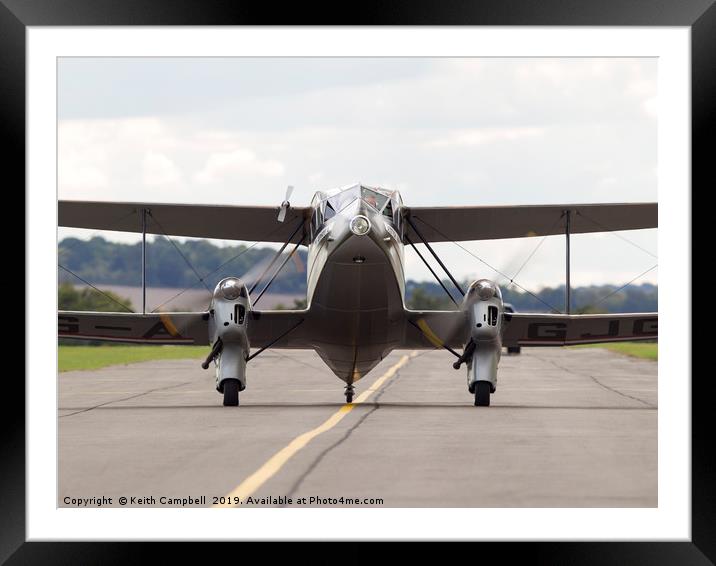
x=186, y=259
x=652, y=268
x=614, y=233
x=511, y=280
x=125, y=307
x=224, y=264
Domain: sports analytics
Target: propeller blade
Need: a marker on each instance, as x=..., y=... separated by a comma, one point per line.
x=285, y=205
x=254, y=272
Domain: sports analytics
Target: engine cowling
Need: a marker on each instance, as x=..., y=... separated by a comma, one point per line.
x=228, y=322
x=484, y=307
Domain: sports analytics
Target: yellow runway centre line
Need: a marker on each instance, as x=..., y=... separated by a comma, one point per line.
x=274, y=464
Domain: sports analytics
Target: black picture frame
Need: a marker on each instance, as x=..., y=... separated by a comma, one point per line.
x=698, y=15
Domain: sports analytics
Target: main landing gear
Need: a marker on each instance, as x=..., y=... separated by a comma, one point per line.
x=231, y=392
x=482, y=393
x=349, y=393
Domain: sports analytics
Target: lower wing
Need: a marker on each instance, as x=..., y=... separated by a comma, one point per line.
x=426, y=330
x=523, y=329
x=164, y=328
x=436, y=329
x=279, y=329
x=423, y=329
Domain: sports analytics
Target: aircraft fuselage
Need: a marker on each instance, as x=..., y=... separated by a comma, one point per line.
x=356, y=282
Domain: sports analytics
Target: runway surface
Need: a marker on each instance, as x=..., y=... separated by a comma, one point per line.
x=567, y=428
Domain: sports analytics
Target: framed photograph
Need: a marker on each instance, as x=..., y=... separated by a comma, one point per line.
x=292, y=237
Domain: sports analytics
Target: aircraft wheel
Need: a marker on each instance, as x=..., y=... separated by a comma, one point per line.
x=231, y=393
x=349, y=393
x=514, y=349
x=482, y=393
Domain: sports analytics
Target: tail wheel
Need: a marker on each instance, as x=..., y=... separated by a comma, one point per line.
x=231, y=393
x=482, y=393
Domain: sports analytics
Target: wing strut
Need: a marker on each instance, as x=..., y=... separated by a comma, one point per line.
x=434, y=340
x=280, y=267
x=430, y=249
x=144, y=261
x=431, y=270
x=275, y=257
x=567, y=285
x=257, y=352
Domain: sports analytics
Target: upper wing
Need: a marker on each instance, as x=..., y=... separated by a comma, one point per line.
x=252, y=223
x=442, y=224
x=560, y=329
x=263, y=328
x=164, y=328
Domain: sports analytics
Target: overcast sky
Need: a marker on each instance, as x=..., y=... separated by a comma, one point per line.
x=442, y=131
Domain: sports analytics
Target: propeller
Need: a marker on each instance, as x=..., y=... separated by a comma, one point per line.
x=285, y=205
x=514, y=264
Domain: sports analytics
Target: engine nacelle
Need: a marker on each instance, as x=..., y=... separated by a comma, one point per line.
x=228, y=321
x=484, y=307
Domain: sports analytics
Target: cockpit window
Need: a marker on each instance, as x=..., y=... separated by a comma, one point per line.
x=373, y=198
x=377, y=198
x=339, y=201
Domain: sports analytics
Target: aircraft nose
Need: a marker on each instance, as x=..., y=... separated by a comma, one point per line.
x=360, y=225
x=358, y=221
x=367, y=212
x=363, y=219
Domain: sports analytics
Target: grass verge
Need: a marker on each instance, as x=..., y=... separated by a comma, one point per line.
x=71, y=358
x=94, y=357
x=645, y=350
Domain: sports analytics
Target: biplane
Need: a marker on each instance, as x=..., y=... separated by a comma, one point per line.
x=355, y=313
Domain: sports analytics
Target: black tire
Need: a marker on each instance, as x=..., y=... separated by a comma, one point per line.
x=514, y=349
x=349, y=397
x=482, y=393
x=231, y=393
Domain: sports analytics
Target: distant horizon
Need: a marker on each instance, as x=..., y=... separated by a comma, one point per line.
x=428, y=280
x=413, y=281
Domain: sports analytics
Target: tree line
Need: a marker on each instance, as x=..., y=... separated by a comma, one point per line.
x=172, y=263
x=180, y=264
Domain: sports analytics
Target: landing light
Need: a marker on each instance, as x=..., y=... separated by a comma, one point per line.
x=360, y=225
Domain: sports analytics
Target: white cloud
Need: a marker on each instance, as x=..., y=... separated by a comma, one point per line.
x=114, y=159
x=79, y=178
x=237, y=163
x=485, y=135
x=314, y=178
x=651, y=106
x=158, y=170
